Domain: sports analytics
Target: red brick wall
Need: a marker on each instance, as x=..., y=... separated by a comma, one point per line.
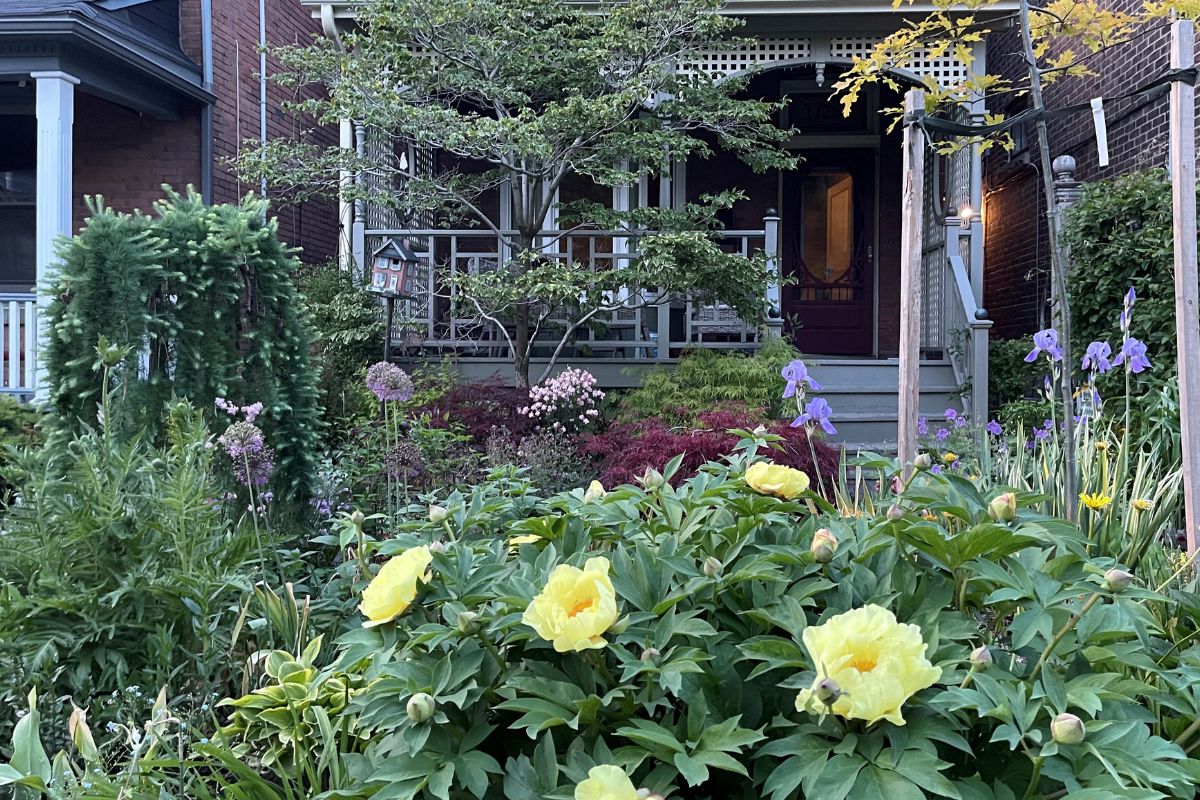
x=1017, y=243
x=310, y=225
x=127, y=156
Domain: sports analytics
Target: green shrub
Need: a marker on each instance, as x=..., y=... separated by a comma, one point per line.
x=119, y=569
x=1120, y=235
x=202, y=298
x=18, y=430
x=686, y=674
x=1009, y=377
x=705, y=380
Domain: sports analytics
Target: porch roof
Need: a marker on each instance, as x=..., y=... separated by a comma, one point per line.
x=112, y=58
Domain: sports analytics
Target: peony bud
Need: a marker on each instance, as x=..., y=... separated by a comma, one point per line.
x=437, y=547
x=827, y=691
x=981, y=656
x=1117, y=580
x=1003, y=508
x=895, y=513
x=438, y=514
x=651, y=479
x=421, y=707
x=357, y=519
x=712, y=567
x=468, y=623
x=651, y=655
x=1067, y=729
x=824, y=545
x=595, y=491
x=923, y=461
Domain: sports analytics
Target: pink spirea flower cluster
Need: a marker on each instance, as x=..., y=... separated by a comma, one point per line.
x=565, y=403
x=233, y=409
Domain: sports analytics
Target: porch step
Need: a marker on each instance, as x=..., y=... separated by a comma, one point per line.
x=864, y=395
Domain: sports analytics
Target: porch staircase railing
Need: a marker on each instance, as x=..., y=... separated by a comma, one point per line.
x=967, y=328
x=18, y=354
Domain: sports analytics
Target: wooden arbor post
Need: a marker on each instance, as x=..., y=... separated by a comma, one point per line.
x=911, y=238
x=1187, y=304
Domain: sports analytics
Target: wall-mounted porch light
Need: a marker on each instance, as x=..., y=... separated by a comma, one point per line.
x=965, y=215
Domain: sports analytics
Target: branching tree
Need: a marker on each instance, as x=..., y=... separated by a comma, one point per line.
x=517, y=96
x=1058, y=40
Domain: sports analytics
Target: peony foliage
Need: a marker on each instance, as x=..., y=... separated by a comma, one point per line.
x=710, y=640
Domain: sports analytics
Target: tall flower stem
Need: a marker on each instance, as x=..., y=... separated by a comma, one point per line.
x=1062, y=634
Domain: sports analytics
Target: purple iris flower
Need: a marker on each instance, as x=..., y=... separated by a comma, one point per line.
x=1133, y=353
x=943, y=434
x=922, y=426
x=1096, y=358
x=817, y=412
x=1048, y=424
x=994, y=428
x=1045, y=342
x=795, y=374
x=1127, y=308
x=1042, y=434
x=936, y=469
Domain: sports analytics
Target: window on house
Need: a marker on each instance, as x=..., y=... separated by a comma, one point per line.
x=827, y=246
x=18, y=215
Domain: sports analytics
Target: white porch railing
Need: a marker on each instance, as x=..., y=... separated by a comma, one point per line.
x=432, y=321
x=18, y=359
x=967, y=330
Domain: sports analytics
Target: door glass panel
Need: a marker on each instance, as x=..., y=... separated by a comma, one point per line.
x=827, y=206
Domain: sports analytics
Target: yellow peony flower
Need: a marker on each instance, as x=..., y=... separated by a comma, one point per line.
x=876, y=662
x=1096, y=502
x=606, y=782
x=517, y=541
x=776, y=479
x=1143, y=504
x=575, y=607
x=595, y=491
x=392, y=590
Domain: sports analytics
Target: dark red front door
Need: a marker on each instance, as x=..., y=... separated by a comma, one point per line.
x=828, y=248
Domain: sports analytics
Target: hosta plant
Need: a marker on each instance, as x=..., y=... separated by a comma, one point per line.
x=733, y=638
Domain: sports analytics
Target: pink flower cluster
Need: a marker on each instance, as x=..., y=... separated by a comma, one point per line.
x=565, y=403
x=233, y=409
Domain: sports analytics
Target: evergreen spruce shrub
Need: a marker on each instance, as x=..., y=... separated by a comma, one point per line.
x=705, y=380
x=203, y=297
x=1120, y=235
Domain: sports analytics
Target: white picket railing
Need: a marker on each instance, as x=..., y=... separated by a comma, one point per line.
x=18, y=358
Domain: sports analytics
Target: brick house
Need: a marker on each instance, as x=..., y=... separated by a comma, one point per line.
x=1016, y=240
x=116, y=97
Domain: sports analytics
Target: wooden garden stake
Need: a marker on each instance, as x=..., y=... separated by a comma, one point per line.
x=912, y=217
x=1187, y=304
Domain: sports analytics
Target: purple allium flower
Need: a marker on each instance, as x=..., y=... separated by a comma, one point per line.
x=404, y=461
x=942, y=434
x=795, y=374
x=1096, y=358
x=1133, y=355
x=226, y=406
x=817, y=412
x=388, y=382
x=922, y=426
x=994, y=428
x=252, y=411
x=1045, y=342
x=253, y=462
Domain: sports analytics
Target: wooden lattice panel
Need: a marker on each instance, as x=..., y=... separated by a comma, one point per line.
x=946, y=69
x=759, y=53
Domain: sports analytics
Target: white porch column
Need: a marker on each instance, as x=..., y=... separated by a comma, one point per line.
x=55, y=119
x=345, y=206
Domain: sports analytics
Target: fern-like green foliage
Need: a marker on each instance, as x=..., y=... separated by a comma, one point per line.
x=707, y=379
x=203, y=296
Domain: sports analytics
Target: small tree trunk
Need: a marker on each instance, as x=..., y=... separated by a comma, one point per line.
x=1058, y=269
x=524, y=256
